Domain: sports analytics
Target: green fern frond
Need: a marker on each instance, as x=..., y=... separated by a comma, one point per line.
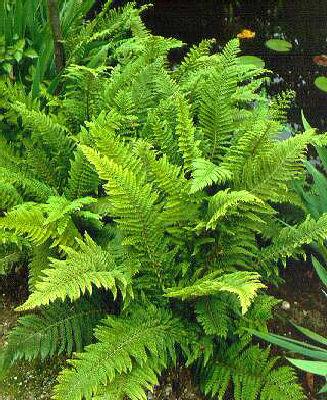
x=205, y=173
x=185, y=131
x=214, y=315
x=195, y=58
x=60, y=328
x=280, y=105
x=133, y=205
x=39, y=261
x=243, y=284
x=226, y=203
x=252, y=373
x=269, y=175
x=132, y=385
x=54, y=136
x=29, y=186
x=75, y=275
x=169, y=180
x=289, y=241
x=83, y=180
x=145, y=334
x=9, y=196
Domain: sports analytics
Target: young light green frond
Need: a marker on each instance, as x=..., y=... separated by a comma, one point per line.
x=205, y=173
x=217, y=112
x=281, y=105
x=133, y=385
x=290, y=239
x=252, y=374
x=227, y=203
x=269, y=175
x=121, y=342
x=133, y=205
x=27, y=220
x=195, y=58
x=244, y=285
x=185, y=131
x=60, y=328
x=74, y=276
x=254, y=138
x=109, y=144
x=169, y=180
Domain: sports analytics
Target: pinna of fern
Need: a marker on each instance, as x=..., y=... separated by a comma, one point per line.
x=191, y=226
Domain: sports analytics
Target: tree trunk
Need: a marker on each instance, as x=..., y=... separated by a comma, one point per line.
x=54, y=19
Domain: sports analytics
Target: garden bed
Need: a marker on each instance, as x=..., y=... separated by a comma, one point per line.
x=303, y=302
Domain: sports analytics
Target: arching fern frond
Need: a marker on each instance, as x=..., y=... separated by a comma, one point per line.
x=83, y=268
x=133, y=385
x=289, y=241
x=205, y=173
x=252, y=373
x=145, y=334
x=244, y=285
x=60, y=328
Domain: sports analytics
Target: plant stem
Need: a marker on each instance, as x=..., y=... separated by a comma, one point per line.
x=54, y=20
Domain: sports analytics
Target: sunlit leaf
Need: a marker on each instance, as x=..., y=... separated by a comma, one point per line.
x=30, y=53
x=315, y=367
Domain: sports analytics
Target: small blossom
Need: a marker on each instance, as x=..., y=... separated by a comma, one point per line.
x=246, y=34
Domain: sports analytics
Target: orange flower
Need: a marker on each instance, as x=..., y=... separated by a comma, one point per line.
x=246, y=34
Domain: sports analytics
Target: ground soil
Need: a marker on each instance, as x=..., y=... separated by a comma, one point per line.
x=304, y=302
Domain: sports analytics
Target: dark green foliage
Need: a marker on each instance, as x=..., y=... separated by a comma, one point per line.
x=60, y=328
x=156, y=192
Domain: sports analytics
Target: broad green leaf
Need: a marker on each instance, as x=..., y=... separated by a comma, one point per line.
x=321, y=271
x=312, y=335
x=279, y=45
x=315, y=367
x=30, y=53
x=321, y=83
x=253, y=60
x=295, y=346
x=305, y=123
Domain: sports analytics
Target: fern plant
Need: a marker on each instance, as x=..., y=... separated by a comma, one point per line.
x=158, y=198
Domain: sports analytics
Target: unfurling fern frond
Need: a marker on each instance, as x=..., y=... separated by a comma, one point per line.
x=60, y=328
x=252, y=373
x=244, y=285
x=121, y=343
x=75, y=275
